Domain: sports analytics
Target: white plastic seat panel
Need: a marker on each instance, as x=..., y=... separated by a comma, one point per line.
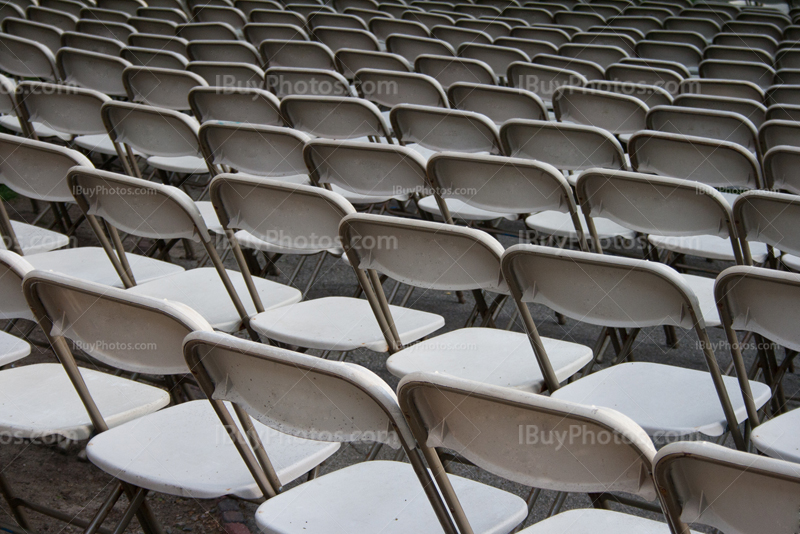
x=12, y=348
x=793, y=262
x=461, y=210
x=358, y=198
x=100, y=143
x=92, y=263
x=39, y=400
x=11, y=122
x=209, y=216
x=490, y=356
x=202, y=290
x=703, y=288
x=184, y=450
x=664, y=400
x=301, y=179
x=706, y=246
x=248, y=240
x=779, y=437
x=179, y=164
x=36, y=240
x=592, y=521
x=341, y=324
x=560, y=224
x=383, y=497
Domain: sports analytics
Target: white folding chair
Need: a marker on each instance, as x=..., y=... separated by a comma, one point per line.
x=751, y=110
x=152, y=26
x=285, y=81
x=782, y=94
x=92, y=70
x=666, y=79
x=60, y=19
x=49, y=36
x=300, y=219
x=230, y=51
x=257, y=32
x=411, y=47
x=25, y=58
x=297, y=394
x=668, y=402
x=676, y=36
x=455, y=37
x=542, y=80
x=778, y=133
x=388, y=88
x=737, y=53
x=608, y=453
x=496, y=56
x=588, y=69
x=146, y=209
x=159, y=42
x=649, y=94
x=758, y=73
x=335, y=117
x=619, y=114
x=722, y=87
x=165, y=88
x=747, y=40
x=498, y=103
x=306, y=54
x=603, y=55
x=235, y=104
x=779, y=166
x=338, y=38
x=429, y=129
x=150, y=57
x=231, y=76
x=111, y=30
x=686, y=54
x=713, y=124
x=449, y=70
x=348, y=62
x=207, y=31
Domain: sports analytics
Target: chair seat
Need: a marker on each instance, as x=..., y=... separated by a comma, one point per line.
x=100, y=143
x=792, y=262
x=593, y=521
x=36, y=240
x=39, y=400
x=706, y=246
x=779, y=437
x=301, y=179
x=184, y=450
x=11, y=122
x=209, y=216
x=383, y=497
x=92, y=263
x=341, y=324
x=703, y=288
x=12, y=348
x=555, y=223
x=358, y=198
x=248, y=240
x=490, y=356
x=180, y=164
x=666, y=401
x=202, y=290
x=461, y=210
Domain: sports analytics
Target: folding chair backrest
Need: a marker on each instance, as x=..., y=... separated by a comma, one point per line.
x=257, y=32
x=149, y=26
x=383, y=28
x=603, y=55
x=227, y=15
x=501, y=184
x=498, y=103
x=159, y=42
x=230, y=51
x=411, y=47
x=389, y=88
x=600, y=289
x=111, y=30
x=298, y=394
x=334, y=117
x=456, y=258
x=348, y=62
x=297, y=217
x=783, y=94
x=528, y=46
x=49, y=36
x=207, y=31
x=150, y=130
x=757, y=73
x=721, y=87
x=497, y=57
x=139, y=207
x=274, y=16
x=73, y=7
x=763, y=28
x=780, y=169
x=248, y=6
x=285, y=81
x=675, y=36
x=429, y=19
x=683, y=53
x=531, y=15
x=751, y=110
x=633, y=33
x=92, y=43
x=108, y=15
x=783, y=112
x=164, y=88
x=338, y=38
x=365, y=15
x=92, y=70
x=584, y=21
x=270, y=151
x=649, y=94
x=365, y=168
x=335, y=20
x=735, y=492
x=27, y=59
x=722, y=125
x=455, y=37
x=748, y=40
x=445, y=129
x=643, y=24
x=617, y=113
x=248, y=105
x=60, y=19
x=708, y=13
x=450, y=70
x=485, y=429
x=150, y=57
x=674, y=66
x=126, y=6
x=787, y=58
x=776, y=133
x=737, y=53
x=163, y=13
x=228, y=75
x=13, y=269
x=568, y=147
x=775, y=226
x=105, y=322
x=666, y=79
x=310, y=54
x=623, y=42
x=70, y=110
x=37, y=170
x=541, y=79
x=493, y=28
x=554, y=36
x=710, y=161
x=588, y=69
x=656, y=205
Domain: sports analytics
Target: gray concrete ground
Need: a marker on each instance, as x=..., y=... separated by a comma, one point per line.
x=43, y=472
